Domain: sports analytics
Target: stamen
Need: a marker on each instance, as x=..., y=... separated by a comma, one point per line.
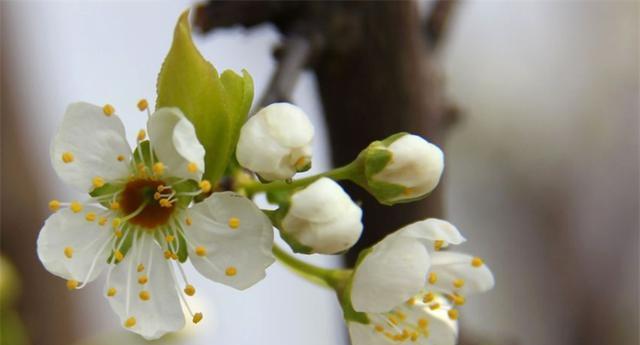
x=108, y=109
x=434, y=306
x=130, y=322
x=158, y=168
x=234, y=223
x=54, y=205
x=205, y=186
x=453, y=314
x=111, y=292
x=477, y=262
x=197, y=317
x=189, y=290
x=142, y=134
x=140, y=268
x=433, y=278
x=192, y=167
x=143, y=279
x=76, y=207
x=114, y=205
x=120, y=158
x=144, y=295
x=68, y=252
x=428, y=297
x=231, y=271
x=201, y=251
x=169, y=238
x=188, y=221
x=438, y=244
x=143, y=104
x=97, y=182
x=102, y=220
x=458, y=283
x=72, y=284
x=90, y=217
x=118, y=255
x=67, y=157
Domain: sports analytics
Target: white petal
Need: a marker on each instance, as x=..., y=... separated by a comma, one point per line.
x=88, y=243
x=288, y=124
x=449, y=266
x=442, y=330
x=235, y=257
x=94, y=141
x=432, y=230
x=393, y=272
x=160, y=314
x=362, y=334
x=174, y=141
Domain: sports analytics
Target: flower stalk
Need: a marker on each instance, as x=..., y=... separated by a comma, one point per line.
x=331, y=278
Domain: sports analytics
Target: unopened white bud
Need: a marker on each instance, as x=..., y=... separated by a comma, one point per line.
x=323, y=218
x=276, y=142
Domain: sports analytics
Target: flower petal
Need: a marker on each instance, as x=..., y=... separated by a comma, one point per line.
x=230, y=240
x=394, y=271
x=432, y=230
x=89, y=144
x=69, y=246
x=174, y=141
x=161, y=312
x=451, y=268
x=442, y=329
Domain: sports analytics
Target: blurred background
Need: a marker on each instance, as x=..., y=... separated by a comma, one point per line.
x=542, y=164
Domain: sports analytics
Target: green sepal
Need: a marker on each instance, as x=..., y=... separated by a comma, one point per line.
x=108, y=188
x=344, y=295
x=142, y=154
x=296, y=246
x=126, y=240
x=182, y=248
x=184, y=187
x=217, y=105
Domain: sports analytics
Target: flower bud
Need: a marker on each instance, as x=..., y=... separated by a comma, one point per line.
x=276, y=142
x=402, y=168
x=322, y=219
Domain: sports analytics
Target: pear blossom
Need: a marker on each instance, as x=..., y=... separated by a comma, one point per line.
x=323, y=217
x=139, y=223
x=408, y=282
x=276, y=142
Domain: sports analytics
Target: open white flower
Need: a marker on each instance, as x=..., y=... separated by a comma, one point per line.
x=276, y=142
x=323, y=218
x=408, y=272
x=138, y=225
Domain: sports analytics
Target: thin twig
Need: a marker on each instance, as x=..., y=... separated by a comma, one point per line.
x=437, y=21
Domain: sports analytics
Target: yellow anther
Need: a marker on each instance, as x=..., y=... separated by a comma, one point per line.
x=189, y=290
x=160, y=188
x=434, y=306
x=169, y=238
x=118, y=255
x=201, y=251
x=301, y=163
x=378, y=328
x=453, y=314
x=118, y=233
x=157, y=195
x=143, y=104
x=97, y=182
x=231, y=271
x=68, y=252
x=142, y=134
x=90, y=217
x=197, y=317
x=102, y=220
x=72, y=284
x=111, y=292
x=234, y=222
x=141, y=167
x=54, y=205
x=422, y=323
x=433, y=278
x=402, y=316
x=205, y=186
x=140, y=268
x=457, y=299
x=67, y=157
x=411, y=301
x=477, y=262
x=414, y=336
x=438, y=244
x=192, y=167
x=188, y=221
x=116, y=222
x=144, y=295
x=167, y=254
x=120, y=158
x=108, y=109
x=114, y=205
x=158, y=168
x=458, y=283
x=428, y=297
x=130, y=322
x=165, y=203
x=76, y=207
x=393, y=320
x=174, y=256
x=143, y=279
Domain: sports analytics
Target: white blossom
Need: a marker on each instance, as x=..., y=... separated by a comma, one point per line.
x=138, y=228
x=276, y=142
x=323, y=218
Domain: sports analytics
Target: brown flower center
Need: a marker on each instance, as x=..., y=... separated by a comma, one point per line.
x=138, y=192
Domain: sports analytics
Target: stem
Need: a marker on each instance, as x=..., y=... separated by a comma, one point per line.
x=341, y=173
x=333, y=278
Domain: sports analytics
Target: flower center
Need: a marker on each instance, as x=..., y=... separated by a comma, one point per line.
x=139, y=192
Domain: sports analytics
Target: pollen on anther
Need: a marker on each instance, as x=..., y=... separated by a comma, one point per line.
x=142, y=134
x=111, y=292
x=188, y=221
x=231, y=271
x=234, y=222
x=433, y=278
x=201, y=251
x=197, y=317
x=379, y=328
x=76, y=207
x=434, y=306
x=102, y=220
x=422, y=323
x=143, y=280
x=205, y=186
x=118, y=233
x=108, y=109
x=130, y=322
x=90, y=216
x=118, y=255
x=67, y=157
x=72, y=284
x=167, y=254
x=428, y=297
x=453, y=314
x=54, y=205
x=190, y=290
x=158, y=168
x=476, y=262
x=438, y=244
x=169, y=238
x=192, y=167
x=144, y=295
x=140, y=268
x=120, y=158
x=114, y=205
x=116, y=222
x=458, y=283
x=68, y=252
x=143, y=104
x=97, y=182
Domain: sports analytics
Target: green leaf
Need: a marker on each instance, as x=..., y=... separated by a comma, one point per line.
x=216, y=105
